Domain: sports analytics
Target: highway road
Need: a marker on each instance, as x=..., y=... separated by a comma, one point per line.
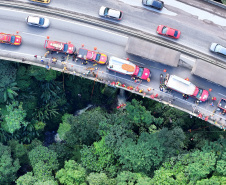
x=107, y=42
x=199, y=28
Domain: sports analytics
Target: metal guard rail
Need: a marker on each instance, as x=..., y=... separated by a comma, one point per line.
x=112, y=26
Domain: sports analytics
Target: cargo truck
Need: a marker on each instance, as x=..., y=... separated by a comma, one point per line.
x=128, y=68
x=186, y=87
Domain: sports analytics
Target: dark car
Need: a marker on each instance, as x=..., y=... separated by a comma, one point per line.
x=154, y=4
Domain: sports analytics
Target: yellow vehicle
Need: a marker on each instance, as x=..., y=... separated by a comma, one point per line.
x=41, y=1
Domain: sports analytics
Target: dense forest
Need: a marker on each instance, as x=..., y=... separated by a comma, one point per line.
x=144, y=143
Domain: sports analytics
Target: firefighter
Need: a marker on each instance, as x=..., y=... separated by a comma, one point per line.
x=118, y=83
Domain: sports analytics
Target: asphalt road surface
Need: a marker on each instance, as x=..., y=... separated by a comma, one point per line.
x=112, y=44
x=199, y=28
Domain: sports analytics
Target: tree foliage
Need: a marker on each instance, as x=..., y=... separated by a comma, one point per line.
x=19, y=151
x=8, y=166
x=43, y=162
x=72, y=173
x=100, y=179
x=8, y=77
x=84, y=127
x=30, y=179
x=42, y=74
x=14, y=117
x=99, y=158
x=143, y=156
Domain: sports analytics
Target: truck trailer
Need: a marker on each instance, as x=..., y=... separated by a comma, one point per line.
x=128, y=68
x=186, y=87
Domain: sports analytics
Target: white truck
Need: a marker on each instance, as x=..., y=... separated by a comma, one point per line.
x=186, y=87
x=128, y=68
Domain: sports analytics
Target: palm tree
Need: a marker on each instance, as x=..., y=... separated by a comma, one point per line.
x=51, y=92
x=45, y=113
x=9, y=91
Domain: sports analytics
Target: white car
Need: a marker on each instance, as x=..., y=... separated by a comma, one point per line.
x=38, y=21
x=217, y=48
x=110, y=13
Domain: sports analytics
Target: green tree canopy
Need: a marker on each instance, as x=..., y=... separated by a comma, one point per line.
x=172, y=141
x=118, y=132
x=140, y=117
x=8, y=166
x=100, y=179
x=143, y=156
x=30, y=179
x=221, y=165
x=19, y=151
x=84, y=127
x=99, y=157
x=14, y=117
x=42, y=74
x=44, y=162
x=8, y=77
x=72, y=173
x=23, y=79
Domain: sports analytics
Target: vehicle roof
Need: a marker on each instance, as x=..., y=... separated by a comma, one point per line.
x=4, y=37
x=114, y=13
x=157, y=4
x=117, y=65
x=33, y=19
x=170, y=31
x=56, y=45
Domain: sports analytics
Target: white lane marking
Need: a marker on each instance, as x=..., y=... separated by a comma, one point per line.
x=222, y=94
x=34, y=34
x=16, y=52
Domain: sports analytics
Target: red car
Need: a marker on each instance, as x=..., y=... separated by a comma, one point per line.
x=169, y=32
x=59, y=47
x=10, y=39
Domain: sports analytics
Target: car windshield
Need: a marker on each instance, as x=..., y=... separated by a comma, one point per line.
x=164, y=30
x=106, y=11
x=41, y=21
x=175, y=33
x=140, y=72
x=149, y=2
x=65, y=48
x=198, y=96
x=220, y=49
x=97, y=57
x=12, y=39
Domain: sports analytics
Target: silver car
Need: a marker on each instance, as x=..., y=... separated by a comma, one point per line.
x=38, y=21
x=217, y=48
x=110, y=13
